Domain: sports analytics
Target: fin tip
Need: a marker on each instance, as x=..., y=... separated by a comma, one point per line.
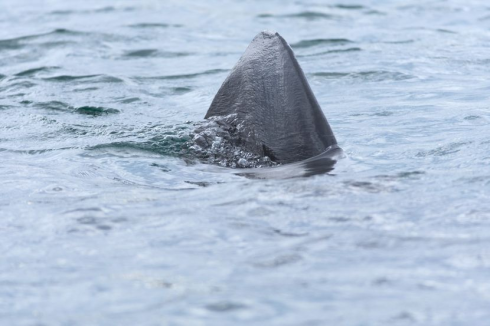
x=268, y=34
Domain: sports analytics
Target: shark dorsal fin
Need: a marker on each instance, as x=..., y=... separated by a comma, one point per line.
x=272, y=103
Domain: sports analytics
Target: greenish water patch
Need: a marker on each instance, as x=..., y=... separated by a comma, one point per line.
x=65, y=107
x=68, y=78
x=331, y=75
x=95, y=110
x=181, y=90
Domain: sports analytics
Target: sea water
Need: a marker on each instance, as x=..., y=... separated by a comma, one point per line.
x=103, y=222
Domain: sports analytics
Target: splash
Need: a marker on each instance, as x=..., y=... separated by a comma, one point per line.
x=218, y=141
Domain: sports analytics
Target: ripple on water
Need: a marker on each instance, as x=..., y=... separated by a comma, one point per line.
x=307, y=15
x=348, y=7
x=445, y=150
x=85, y=110
x=277, y=260
x=320, y=41
x=19, y=42
x=86, y=89
x=21, y=85
x=149, y=53
x=129, y=100
x=181, y=90
x=370, y=187
x=298, y=251
x=168, y=146
x=35, y=71
x=84, y=79
x=400, y=42
x=153, y=25
x=107, y=9
x=330, y=52
x=474, y=120
x=225, y=306
x=183, y=76
x=407, y=175
x=164, y=92
x=92, y=219
x=112, y=8
x=370, y=76
x=51, y=105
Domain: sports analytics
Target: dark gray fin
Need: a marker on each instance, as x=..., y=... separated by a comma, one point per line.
x=271, y=103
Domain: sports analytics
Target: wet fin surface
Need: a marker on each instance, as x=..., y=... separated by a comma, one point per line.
x=276, y=112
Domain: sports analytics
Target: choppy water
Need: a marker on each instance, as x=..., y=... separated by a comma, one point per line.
x=102, y=223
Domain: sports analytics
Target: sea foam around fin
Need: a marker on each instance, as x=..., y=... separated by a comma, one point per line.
x=217, y=141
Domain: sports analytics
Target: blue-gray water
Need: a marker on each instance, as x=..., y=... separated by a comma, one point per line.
x=101, y=223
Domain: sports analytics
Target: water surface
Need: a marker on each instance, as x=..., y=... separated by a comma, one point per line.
x=103, y=223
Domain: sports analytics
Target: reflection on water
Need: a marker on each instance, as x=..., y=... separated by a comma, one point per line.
x=104, y=221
